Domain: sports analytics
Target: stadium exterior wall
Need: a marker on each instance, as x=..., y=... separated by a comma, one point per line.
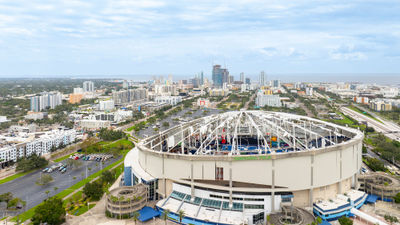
x=310, y=175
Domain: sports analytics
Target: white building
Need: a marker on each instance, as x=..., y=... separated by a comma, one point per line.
x=106, y=105
x=309, y=91
x=88, y=86
x=78, y=90
x=39, y=143
x=170, y=100
x=92, y=124
x=45, y=100
x=3, y=119
x=268, y=100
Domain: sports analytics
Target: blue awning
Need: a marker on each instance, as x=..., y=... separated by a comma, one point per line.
x=148, y=213
x=371, y=199
x=324, y=222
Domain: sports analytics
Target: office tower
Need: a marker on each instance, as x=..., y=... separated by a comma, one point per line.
x=231, y=79
x=247, y=80
x=242, y=77
x=219, y=75
x=262, y=79
x=276, y=83
x=88, y=86
x=45, y=100
x=201, y=78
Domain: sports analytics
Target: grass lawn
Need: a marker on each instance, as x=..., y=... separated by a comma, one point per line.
x=83, y=209
x=15, y=176
x=63, y=158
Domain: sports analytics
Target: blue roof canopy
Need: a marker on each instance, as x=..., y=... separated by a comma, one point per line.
x=371, y=199
x=148, y=213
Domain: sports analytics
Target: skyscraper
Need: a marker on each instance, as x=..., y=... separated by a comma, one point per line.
x=276, y=83
x=262, y=79
x=242, y=77
x=201, y=78
x=88, y=86
x=220, y=75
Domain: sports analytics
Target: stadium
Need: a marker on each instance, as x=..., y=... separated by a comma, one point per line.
x=238, y=167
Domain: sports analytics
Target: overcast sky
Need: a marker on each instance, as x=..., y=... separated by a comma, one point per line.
x=104, y=37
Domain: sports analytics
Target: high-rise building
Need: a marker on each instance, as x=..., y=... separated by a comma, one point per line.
x=45, y=100
x=220, y=75
x=88, y=86
x=242, y=77
x=248, y=80
x=276, y=83
x=201, y=78
x=231, y=79
x=262, y=79
x=130, y=95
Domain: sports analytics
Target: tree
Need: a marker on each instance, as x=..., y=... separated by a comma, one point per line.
x=135, y=216
x=165, y=124
x=391, y=219
x=107, y=177
x=397, y=198
x=44, y=179
x=50, y=212
x=73, y=163
x=345, y=221
x=181, y=214
x=16, y=203
x=31, y=162
x=6, y=197
x=375, y=164
x=93, y=190
x=47, y=193
x=164, y=215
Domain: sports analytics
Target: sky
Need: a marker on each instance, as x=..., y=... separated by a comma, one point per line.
x=155, y=37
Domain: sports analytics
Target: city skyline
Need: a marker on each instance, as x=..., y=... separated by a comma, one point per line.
x=72, y=38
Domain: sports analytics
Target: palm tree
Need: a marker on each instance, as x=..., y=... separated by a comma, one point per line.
x=164, y=216
x=181, y=215
x=136, y=216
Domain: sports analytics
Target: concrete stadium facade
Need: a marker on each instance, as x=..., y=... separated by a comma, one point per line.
x=297, y=176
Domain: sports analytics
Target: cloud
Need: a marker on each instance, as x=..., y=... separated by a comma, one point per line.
x=247, y=33
x=349, y=52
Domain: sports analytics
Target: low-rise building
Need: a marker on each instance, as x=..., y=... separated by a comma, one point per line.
x=75, y=98
x=218, y=92
x=380, y=105
x=170, y=100
x=14, y=146
x=92, y=124
x=106, y=105
x=268, y=100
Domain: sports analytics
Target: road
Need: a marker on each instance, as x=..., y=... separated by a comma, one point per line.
x=182, y=114
x=246, y=106
x=26, y=189
x=386, y=127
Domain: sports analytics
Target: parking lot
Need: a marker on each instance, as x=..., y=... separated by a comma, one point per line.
x=26, y=188
x=181, y=116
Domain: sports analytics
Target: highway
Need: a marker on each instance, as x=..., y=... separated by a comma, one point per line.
x=390, y=129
